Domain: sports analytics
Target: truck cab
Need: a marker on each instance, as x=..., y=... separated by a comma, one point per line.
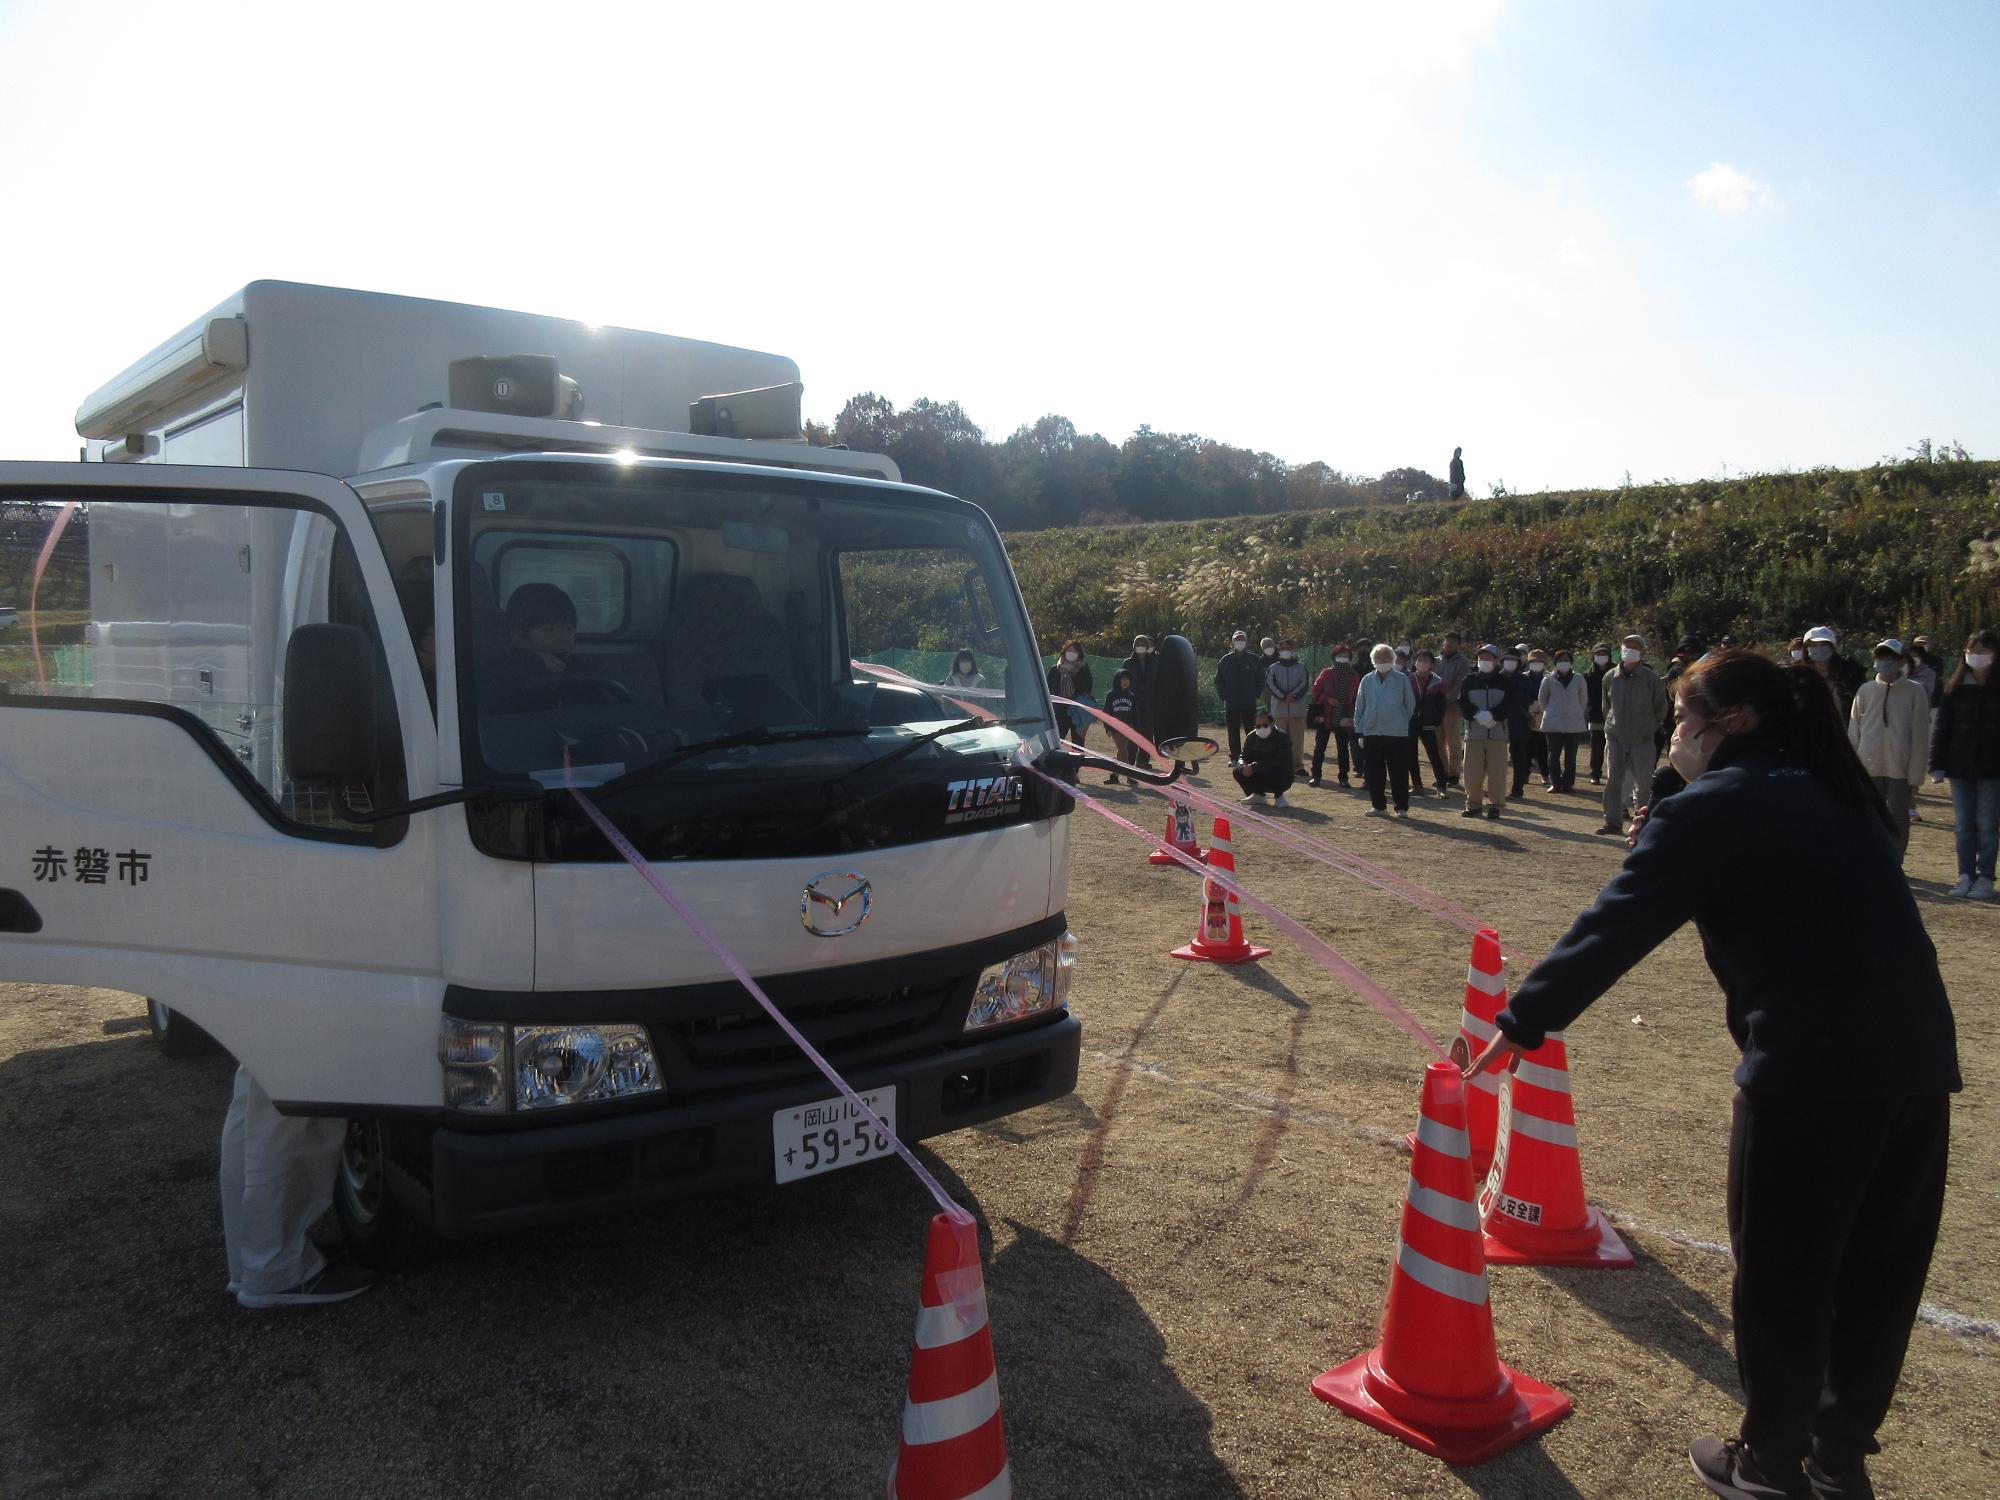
x=348, y=602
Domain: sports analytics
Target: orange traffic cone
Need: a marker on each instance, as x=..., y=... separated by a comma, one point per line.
x=1532, y=1205
x=952, y=1446
x=1435, y=1381
x=1485, y=998
x=1180, y=833
x=1218, y=931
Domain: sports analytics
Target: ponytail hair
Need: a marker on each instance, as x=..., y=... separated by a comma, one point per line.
x=1987, y=638
x=1793, y=705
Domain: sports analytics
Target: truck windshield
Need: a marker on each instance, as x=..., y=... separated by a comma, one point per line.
x=682, y=637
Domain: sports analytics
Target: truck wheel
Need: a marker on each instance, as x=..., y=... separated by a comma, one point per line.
x=177, y=1035
x=380, y=1232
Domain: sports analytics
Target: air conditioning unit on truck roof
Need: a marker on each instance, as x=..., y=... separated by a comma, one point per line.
x=368, y=580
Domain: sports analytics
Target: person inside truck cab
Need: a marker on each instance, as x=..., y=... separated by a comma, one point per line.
x=541, y=626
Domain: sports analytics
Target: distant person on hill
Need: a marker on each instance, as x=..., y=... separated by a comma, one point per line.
x=1429, y=688
x=1484, y=699
x=1122, y=703
x=1593, y=687
x=1333, y=692
x=1458, y=473
x=1635, y=705
x=964, y=672
x=1286, y=685
x=1383, y=708
x=1841, y=1131
x=1453, y=667
x=1565, y=705
x=1266, y=766
x=1965, y=745
x=1070, y=678
x=1144, y=665
x=1239, y=683
x=1890, y=729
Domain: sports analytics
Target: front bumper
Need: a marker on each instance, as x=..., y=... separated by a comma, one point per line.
x=485, y=1182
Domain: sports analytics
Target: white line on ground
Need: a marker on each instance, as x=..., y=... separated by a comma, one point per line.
x=1251, y=1102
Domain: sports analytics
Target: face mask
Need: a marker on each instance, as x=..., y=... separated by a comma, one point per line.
x=1979, y=661
x=1510, y=666
x=1798, y=655
x=1285, y=655
x=1538, y=667
x=1239, y=645
x=1142, y=650
x=1821, y=653
x=1341, y=661
x=1685, y=754
x=1630, y=654
x=1562, y=668
x=1382, y=669
x=1263, y=731
x=1071, y=657
x=1603, y=658
x=1888, y=669
x=1485, y=665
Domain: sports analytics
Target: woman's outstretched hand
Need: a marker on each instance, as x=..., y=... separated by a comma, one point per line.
x=1502, y=1047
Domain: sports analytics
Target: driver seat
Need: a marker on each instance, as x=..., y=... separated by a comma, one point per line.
x=724, y=649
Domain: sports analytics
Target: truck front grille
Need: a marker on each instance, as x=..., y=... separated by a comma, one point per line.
x=743, y=1045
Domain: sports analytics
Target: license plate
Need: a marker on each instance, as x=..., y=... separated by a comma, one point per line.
x=818, y=1138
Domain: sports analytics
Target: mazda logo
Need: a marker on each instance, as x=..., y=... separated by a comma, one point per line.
x=836, y=903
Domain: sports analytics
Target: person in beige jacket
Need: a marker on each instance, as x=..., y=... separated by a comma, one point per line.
x=1889, y=725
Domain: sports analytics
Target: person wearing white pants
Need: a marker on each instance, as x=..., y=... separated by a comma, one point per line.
x=277, y=1179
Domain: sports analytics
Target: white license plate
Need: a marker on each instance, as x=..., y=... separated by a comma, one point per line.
x=824, y=1137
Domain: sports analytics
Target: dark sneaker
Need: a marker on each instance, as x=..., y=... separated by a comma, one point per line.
x=1838, y=1475
x=1728, y=1467
x=1493, y=814
x=1312, y=781
x=1473, y=812
x=336, y=1282
x=1613, y=829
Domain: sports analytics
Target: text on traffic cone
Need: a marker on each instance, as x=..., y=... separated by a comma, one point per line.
x=1218, y=930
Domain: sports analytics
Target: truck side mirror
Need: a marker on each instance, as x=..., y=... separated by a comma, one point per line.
x=330, y=705
x=1177, y=702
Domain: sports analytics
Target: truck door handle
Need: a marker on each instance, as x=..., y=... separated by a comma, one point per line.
x=17, y=914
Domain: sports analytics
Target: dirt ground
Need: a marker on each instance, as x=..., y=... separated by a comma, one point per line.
x=1174, y=1251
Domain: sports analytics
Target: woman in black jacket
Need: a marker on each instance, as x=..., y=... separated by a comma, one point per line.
x=1842, y=1118
x=1965, y=745
x=1070, y=678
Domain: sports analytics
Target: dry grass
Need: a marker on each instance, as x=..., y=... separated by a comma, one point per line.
x=1176, y=1250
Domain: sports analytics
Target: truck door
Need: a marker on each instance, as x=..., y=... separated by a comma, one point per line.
x=220, y=694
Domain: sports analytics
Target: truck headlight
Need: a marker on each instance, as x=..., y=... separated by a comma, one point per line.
x=1028, y=984
x=491, y=1068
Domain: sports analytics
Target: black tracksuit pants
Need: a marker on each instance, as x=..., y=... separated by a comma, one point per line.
x=1519, y=751
x=1239, y=722
x=1833, y=1213
x=1428, y=738
x=1343, y=740
x=1596, y=752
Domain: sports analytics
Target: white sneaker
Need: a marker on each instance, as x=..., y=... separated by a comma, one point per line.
x=1963, y=887
x=1982, y=890
x=1256, y=798
x=335, y=1282
x=1280, y=800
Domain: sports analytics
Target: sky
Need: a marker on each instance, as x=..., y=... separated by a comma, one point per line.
x=1583, y=239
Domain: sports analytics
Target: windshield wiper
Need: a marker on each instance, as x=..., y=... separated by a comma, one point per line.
x=910, y=747
x=762, y=734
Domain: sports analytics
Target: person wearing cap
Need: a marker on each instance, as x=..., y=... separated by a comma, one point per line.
x=1144, y=665
x=1269, y=649
x=1889, y=726
x=1841, y=1126
x=1266, y=766
x=1520, y=738
x=1686, y=654
x=1239, y=683
x=1383, y=709
x=1333, y=696
x=1454, y=668
x=1286, y=684
x=1965, y=746
x=1538, y=745
x=1635, y=706
x=1824, y=656
x=1485, y=702
x=1565, y=704
x=1593, y=688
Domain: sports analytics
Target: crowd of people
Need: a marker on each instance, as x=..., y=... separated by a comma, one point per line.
x=1488, y=721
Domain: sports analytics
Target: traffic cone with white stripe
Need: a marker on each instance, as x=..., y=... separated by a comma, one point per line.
x=1218, y=931
x=1435, y=1380
x=1532, y=1205
x=1485, y=998
x=952, y=1446
x=1180, y=833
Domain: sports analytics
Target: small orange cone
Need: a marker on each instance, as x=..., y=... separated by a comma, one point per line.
x=953, y=1447
x=1180, y=833
x=1435, y=1380
x=1532, y=1205
x=1485, y=998
x=1218, y=931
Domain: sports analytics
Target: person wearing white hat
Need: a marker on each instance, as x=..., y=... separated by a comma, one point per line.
x=1824, y=656
x=1889, y=726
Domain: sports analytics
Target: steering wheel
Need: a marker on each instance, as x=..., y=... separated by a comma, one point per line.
x=566, y=691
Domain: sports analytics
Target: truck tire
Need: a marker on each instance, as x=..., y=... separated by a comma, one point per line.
x=380, y=1233
x=177, y=1036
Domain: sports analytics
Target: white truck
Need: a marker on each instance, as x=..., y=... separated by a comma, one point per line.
x=365, y=574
